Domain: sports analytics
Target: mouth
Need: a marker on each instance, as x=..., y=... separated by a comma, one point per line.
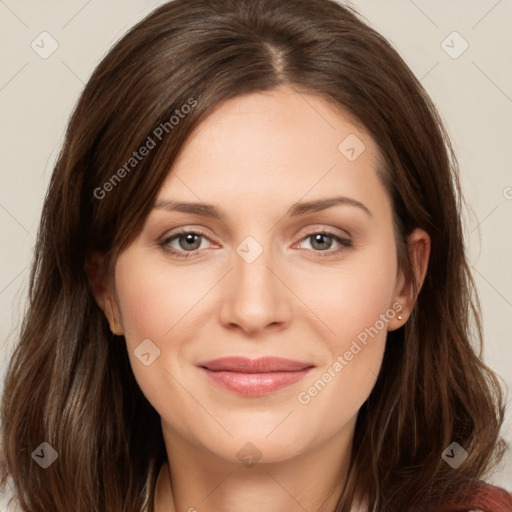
x=254, y=377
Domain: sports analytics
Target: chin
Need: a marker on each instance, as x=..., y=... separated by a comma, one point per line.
x=250, y=447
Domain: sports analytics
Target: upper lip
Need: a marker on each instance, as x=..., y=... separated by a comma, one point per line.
x=260, y=365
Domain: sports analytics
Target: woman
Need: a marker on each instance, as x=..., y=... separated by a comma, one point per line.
x=313, y=350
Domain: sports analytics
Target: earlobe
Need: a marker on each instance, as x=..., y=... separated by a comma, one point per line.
x=101, y=289
x=418, y=245
x=115, y=325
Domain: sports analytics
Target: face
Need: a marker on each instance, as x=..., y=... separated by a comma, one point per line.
x=316, y=284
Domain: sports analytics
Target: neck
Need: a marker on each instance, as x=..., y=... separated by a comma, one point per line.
x=195, y=481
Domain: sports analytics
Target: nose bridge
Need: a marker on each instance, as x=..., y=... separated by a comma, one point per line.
x=253, y=279
x=256, y=298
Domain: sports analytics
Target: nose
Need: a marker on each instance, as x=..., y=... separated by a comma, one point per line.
x=255, y=297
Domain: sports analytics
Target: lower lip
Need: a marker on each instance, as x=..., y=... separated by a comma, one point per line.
x=255, y=384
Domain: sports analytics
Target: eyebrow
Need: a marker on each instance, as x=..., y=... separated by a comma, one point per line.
x=297, y=209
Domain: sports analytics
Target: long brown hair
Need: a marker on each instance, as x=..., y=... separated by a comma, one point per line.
x=69, y=382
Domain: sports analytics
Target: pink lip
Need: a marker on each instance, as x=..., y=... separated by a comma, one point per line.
x=255, y=377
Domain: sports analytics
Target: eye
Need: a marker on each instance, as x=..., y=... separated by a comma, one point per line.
x=187, y=243
x=184, y=244
x=322, y=241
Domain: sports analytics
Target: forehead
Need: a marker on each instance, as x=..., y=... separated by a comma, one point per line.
x=276, y=146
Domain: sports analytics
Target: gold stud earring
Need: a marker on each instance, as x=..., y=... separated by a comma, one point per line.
x=399, y=317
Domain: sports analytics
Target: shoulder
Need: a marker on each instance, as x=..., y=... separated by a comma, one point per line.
x=478, y=496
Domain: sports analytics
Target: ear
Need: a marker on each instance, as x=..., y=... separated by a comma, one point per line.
x=418, y=246
x=99, y=281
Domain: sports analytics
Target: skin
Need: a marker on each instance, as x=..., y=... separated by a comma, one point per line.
x=254, y=157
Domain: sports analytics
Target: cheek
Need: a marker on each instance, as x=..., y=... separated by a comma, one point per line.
x=356, y=304
x=152, y=299
x=353, y=355
x=151, y=303
x=352, y=297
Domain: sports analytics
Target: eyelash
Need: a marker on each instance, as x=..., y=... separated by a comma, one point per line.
x=345, y=243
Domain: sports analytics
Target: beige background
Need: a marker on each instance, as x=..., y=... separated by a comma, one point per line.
x=472, y=91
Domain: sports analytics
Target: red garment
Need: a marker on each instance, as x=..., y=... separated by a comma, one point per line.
x=481, y=496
